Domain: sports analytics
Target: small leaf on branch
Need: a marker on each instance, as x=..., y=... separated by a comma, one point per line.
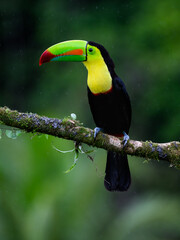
x=73, y=116
x=13, y=134
x=18, y=133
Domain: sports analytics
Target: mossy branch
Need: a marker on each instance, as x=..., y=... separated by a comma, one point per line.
x=73, y=130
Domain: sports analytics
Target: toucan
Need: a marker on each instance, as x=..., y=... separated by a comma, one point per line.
x=108, y=99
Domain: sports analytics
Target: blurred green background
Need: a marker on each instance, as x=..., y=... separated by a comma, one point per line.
x=38, y=201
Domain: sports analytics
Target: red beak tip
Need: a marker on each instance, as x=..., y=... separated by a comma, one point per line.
x=45, y=57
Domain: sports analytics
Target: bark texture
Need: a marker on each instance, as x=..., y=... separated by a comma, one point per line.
x=73, y=130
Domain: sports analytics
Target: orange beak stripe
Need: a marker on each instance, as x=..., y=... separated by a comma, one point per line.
x=72, y=52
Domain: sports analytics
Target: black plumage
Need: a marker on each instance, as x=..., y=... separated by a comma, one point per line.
x=112, y=112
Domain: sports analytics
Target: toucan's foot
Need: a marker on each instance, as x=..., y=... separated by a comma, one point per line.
x=96, y=131
x=125, y=138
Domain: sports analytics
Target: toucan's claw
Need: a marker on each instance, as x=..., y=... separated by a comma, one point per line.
x=125, y=138
x=96, y=131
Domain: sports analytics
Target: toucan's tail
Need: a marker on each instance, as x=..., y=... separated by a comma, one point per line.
x=117, y=176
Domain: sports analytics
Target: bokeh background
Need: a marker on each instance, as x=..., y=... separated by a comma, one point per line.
x=38, y=201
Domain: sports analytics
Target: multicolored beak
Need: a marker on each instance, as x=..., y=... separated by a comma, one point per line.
x=74, y=51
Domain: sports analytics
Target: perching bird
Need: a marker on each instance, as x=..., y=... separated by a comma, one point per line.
x=108, y=99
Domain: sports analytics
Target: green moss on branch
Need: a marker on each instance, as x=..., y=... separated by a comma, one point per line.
x=73, y=130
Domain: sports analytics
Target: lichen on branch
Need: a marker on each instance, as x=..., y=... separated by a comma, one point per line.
x=73, y=130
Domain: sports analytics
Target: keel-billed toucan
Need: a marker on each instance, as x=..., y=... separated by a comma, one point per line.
x=108, y=99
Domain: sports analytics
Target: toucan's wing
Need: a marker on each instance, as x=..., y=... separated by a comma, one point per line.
x=123, y=100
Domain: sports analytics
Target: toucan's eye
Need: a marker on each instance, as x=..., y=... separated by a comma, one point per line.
x=90, y=50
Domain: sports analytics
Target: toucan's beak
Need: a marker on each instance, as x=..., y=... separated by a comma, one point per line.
x=74, y=51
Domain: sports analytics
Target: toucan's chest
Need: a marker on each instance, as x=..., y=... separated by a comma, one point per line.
x=99, y=78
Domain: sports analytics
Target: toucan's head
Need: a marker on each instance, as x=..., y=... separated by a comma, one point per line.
x=76, y=51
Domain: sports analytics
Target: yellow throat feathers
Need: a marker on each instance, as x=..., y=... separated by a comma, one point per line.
x=99, y=78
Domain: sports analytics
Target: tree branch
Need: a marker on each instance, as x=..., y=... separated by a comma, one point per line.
x=73, y=130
